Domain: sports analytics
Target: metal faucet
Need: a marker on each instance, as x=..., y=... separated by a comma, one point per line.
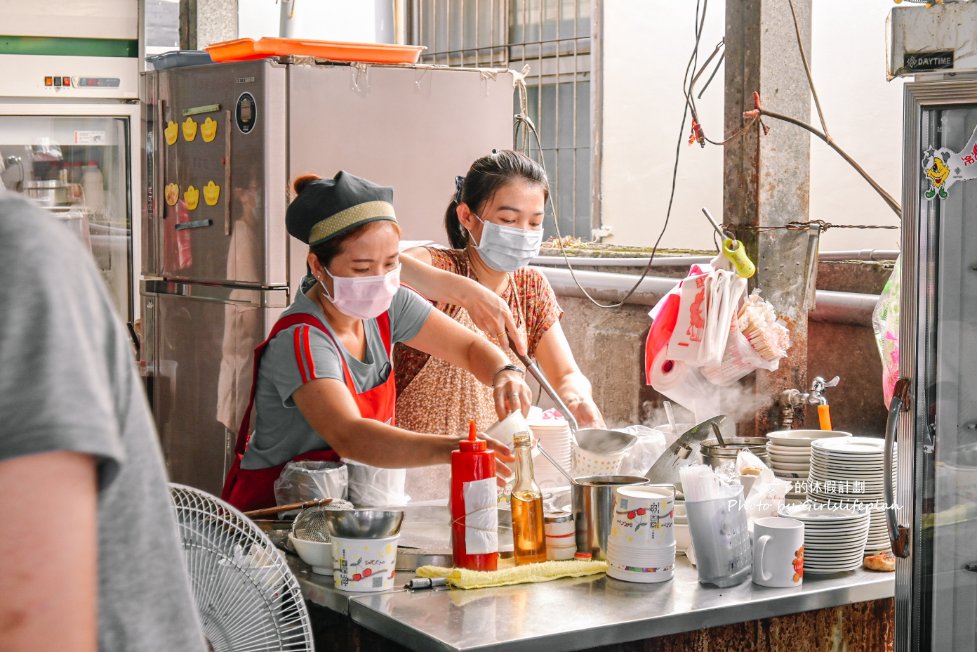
x=793, y=401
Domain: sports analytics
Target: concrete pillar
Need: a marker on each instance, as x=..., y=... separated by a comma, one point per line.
x=203, y=22
x=767, y=177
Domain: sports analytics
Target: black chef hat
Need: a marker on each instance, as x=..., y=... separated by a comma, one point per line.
x=326, y=208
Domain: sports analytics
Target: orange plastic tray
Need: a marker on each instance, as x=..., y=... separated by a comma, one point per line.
x=243, y=49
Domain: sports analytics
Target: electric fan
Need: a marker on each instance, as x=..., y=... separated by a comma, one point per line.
x=247, y=597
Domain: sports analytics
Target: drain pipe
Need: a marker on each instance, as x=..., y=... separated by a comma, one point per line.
x=831, y=307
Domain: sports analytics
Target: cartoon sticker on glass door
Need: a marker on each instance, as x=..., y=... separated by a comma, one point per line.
x=943, y=167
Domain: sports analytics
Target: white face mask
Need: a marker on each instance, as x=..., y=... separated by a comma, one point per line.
x=363, y=297
x=506, y=248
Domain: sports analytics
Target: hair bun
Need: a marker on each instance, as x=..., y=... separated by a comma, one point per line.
x=303, y=181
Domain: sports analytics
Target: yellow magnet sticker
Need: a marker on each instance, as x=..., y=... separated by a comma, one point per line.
x=736, y=253
x=192, y=197
x=208, y=130
x=212, y=193
x=171, y=132
x=189, y=129
x=172, y=193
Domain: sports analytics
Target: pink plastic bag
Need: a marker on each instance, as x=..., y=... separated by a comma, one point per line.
x=885, y=323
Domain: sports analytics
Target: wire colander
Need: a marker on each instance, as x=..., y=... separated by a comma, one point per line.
x=246, y=596
x=310, y=524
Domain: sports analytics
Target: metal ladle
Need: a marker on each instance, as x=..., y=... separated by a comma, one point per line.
x=603, y=436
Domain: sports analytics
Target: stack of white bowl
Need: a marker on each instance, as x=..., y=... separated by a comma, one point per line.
x=790, y=456
x=849, y=472
x=641, y=543
x=834, y=537
x=554, y=436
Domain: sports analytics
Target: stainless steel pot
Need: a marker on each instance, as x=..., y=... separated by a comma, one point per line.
x=593, y=509
x=48, y=193
x=715, y=455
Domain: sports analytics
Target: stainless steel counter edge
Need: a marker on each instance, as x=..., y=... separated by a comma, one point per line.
x=586, y=612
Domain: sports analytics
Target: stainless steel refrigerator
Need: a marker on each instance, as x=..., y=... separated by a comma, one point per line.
x=223, y=142
x=933, y=417
x=69, y=139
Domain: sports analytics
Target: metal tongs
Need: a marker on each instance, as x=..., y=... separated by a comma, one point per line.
x=571, y=421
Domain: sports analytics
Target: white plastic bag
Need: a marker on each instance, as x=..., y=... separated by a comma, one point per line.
x=683, y=384
x=309, y=480
x=371, y=486
x=645, y=452
x=767, y=493
x=724, y=290
x=739, y=359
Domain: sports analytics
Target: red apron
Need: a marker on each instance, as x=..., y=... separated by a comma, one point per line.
x=249, y=489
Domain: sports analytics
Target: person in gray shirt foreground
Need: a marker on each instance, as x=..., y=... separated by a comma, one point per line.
x=91, y=556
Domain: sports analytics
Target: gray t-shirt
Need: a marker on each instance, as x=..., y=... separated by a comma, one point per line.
x=68, y=383
x=281, y=432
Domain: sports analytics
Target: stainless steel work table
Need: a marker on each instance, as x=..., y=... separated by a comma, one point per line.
x=578, y=613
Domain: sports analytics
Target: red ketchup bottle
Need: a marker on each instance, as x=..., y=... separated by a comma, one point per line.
x=472, y=462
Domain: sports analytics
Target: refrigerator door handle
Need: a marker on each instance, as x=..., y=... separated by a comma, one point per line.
x=161, y=148
x=227, y=172
x=898, y=534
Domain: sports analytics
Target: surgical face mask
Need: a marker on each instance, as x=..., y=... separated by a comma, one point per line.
x=506, y=248
x=363, y=297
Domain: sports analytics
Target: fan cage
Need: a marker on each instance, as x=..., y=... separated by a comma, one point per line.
x=246, y=596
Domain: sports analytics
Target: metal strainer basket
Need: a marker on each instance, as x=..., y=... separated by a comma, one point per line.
x=310, y=524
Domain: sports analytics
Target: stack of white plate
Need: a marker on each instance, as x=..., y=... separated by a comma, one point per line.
x=848, y=472
x=834, y=537
x=790, y=456
x=554, y=436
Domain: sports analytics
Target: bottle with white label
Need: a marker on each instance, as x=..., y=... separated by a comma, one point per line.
x=474, y=515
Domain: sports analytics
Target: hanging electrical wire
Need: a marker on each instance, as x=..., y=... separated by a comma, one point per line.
x=756, y=115
x=523, y=120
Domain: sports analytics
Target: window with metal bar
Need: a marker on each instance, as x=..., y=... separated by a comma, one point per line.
x=552, y=38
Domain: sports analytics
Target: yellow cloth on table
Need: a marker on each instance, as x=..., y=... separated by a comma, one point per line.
x=544, y=571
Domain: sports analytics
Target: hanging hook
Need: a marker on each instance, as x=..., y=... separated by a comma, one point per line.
x=725, y=234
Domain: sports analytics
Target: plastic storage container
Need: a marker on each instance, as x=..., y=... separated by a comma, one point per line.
x=179, y=59
x=243, y=49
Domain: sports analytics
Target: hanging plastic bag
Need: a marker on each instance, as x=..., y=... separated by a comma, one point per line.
x=664, y=317
x=885, y=323
x=684, y=384
x=739, y=359
x=664, y=314
x=690, y=324
x=724, y=290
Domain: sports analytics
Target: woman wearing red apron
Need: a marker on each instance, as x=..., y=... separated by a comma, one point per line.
x=323, y=384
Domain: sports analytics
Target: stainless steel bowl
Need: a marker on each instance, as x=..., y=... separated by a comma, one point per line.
x=363, y=523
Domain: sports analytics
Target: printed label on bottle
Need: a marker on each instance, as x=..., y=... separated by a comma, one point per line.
x=481, y=517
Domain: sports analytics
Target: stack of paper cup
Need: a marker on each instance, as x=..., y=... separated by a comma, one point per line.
x=554, y=436
x=641, y=543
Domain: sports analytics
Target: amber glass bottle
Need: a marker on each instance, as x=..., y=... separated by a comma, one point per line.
x=528, y=538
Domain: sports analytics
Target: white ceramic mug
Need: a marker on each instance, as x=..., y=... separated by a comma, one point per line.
x=778, y=552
